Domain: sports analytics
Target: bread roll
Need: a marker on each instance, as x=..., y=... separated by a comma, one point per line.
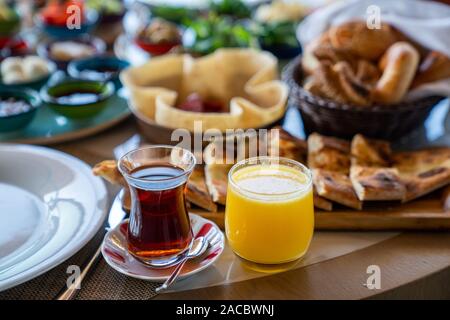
x=309, y=61
x=367, y=72
x=327, y=82
x=355, y=91
x=435, y=66
x=361, y=41
x=399, y=65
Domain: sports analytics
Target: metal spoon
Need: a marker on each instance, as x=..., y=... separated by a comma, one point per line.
x=198, y=247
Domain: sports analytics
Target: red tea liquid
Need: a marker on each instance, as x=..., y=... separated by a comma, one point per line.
x=159, y=223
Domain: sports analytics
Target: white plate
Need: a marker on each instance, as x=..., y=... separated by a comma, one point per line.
x=50, y=207
x=116, y=255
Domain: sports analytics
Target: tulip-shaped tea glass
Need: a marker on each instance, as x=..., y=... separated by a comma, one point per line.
x=269, y=216
x=159, y=230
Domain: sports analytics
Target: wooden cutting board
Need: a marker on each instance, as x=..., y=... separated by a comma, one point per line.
x=422, y=214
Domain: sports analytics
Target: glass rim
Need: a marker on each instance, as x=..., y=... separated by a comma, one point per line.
x=158, y=146
x=305, y=170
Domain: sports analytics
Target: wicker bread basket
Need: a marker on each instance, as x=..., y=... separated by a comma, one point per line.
x=342, y=120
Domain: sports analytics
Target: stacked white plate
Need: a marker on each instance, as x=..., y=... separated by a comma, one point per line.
x=50, y=207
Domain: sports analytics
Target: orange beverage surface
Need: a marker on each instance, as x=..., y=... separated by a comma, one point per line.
x=269, y=215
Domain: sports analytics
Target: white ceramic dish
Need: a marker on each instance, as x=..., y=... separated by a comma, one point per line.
x=50, y=207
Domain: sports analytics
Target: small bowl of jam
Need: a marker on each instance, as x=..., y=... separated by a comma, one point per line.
x=56, y=19
x=78, y=99
x=17, y=108
x=103, y=68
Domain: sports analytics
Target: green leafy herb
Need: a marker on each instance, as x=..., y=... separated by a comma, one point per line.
x=179, y=15
x=276, y=33
x=106, y=6
x=216, y=32
x=234, y=8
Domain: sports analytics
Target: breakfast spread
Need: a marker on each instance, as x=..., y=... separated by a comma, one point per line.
x=205, y=75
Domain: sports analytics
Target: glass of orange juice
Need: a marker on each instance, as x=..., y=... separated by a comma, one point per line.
x=269, y=215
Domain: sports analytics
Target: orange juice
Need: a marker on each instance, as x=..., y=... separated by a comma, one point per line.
x=269, y=214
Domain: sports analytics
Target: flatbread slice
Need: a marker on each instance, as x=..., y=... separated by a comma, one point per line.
x=328, y=153
x=217, y=181
x=377, y=184
x=423, y=171
x=288, y=146
x=370, y=173
x=370, y=152
x=337, y=187
x=322, y=203
x=109, y=171
x=197, y=191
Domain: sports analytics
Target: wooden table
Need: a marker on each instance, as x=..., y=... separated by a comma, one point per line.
x=413, y=265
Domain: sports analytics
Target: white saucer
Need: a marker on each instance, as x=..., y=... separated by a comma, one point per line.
x=114, y=250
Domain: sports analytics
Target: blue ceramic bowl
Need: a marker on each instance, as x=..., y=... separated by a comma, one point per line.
x=81, y=108
x=59, y=32
x=283, y=51
x=35, y=84
x=100, y=68
x=21, y=120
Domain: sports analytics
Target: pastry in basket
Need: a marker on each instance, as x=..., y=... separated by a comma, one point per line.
x=329, y=159
x=231, y=88
x=434, y=67
x=356, y=38
x=399, y=65
x=423, y=171
x=367, y=72
x=338, y=83
x=352, y=64
x=372, y=177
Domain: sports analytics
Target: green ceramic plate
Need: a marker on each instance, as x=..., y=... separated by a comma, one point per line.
x=48, y=127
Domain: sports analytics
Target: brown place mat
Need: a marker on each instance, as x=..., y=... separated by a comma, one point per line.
x=102, y=282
